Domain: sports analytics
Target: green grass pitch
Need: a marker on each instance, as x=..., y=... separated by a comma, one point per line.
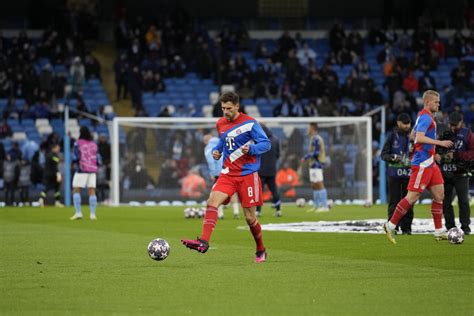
x=50, y=265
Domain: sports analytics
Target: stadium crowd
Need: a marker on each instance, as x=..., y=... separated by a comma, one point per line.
x=346, y=73
x=305, y=78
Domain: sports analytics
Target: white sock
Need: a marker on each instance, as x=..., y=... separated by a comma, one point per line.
x=235, y=206
x=391, y=225
x=220, y=211
x=439, y=230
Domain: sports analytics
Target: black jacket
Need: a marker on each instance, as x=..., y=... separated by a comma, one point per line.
x=269, y=159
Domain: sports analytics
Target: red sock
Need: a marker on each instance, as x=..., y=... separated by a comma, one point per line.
x=402, y=208
x=210, y=221
x=437, y=213
x=256, y=230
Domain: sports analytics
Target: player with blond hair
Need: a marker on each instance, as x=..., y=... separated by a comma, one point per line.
x=425, y=172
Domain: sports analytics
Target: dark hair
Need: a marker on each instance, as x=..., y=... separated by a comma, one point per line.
x=229, y=97
x=84, y=133
x=404, y=118
x=314, y=125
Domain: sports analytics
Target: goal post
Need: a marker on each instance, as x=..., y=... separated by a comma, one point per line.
x=152, y=155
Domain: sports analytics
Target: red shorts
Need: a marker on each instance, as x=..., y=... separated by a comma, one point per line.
x=423, y=178
x=248, y=188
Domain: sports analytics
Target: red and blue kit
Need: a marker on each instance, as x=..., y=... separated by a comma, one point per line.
x=239, y=170
x=425, y=172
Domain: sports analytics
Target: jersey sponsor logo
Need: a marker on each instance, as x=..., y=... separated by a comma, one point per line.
x=230, y=142
x=247, y=127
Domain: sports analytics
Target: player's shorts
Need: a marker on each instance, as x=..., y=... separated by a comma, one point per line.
x=84, y=180
x=316, y=175
x=422, y=178
x=248, y=188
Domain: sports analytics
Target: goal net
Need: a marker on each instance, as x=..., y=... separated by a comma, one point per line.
x=161, y=160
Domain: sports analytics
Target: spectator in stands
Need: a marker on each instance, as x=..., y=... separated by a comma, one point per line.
x=292, y=66
x=91, y=67
x=204, y=61
x=355, y=43
x=46, y=81
x=5, y=129
x=410, y=83
x=77, y=76
x=138, y=176
x=461, y=79
x=135, y=53
x=181, y=112
x=261, y=50
x=337, y=37
x=160, y=85
x=149, y=83
x=41, y=110
x=121, y=69
x=286, y=43
x=305, y=54
x=60, y=82
x=135, y=86
x=136, y=140
x=169, y=174
x=193, y=185
x=438, y=48
x=15, y=153
x=426, y=82
x=346, y=57
x=362, y=66
x=152, y=37
x=177, y=67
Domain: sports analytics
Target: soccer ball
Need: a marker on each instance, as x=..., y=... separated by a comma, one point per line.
x=189, y=212
x=200, y=212
x=455, y=236
x=158, y=249
x=300, y=202
x=330, y=203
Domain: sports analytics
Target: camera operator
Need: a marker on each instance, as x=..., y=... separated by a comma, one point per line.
x=396, y=152
x=456, y=165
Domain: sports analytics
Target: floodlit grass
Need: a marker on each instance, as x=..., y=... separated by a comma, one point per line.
x=50, y=265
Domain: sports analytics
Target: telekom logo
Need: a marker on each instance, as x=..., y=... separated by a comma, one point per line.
x=230, y=143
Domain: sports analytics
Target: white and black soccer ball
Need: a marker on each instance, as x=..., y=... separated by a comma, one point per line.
x=300, y=202
x=455, y=236
x=158, y=249
x=189, y=212
x=200, y=212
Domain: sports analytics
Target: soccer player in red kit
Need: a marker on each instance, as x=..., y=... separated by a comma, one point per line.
x=241, y=142
x=425, y=172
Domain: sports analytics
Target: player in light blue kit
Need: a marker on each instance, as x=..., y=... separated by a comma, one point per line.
x=317, y=158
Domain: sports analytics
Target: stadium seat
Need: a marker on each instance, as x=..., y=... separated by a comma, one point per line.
x=207, y=110
x=253, y=111
x=18, y=136
x=45, y=129
x=42, y=122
